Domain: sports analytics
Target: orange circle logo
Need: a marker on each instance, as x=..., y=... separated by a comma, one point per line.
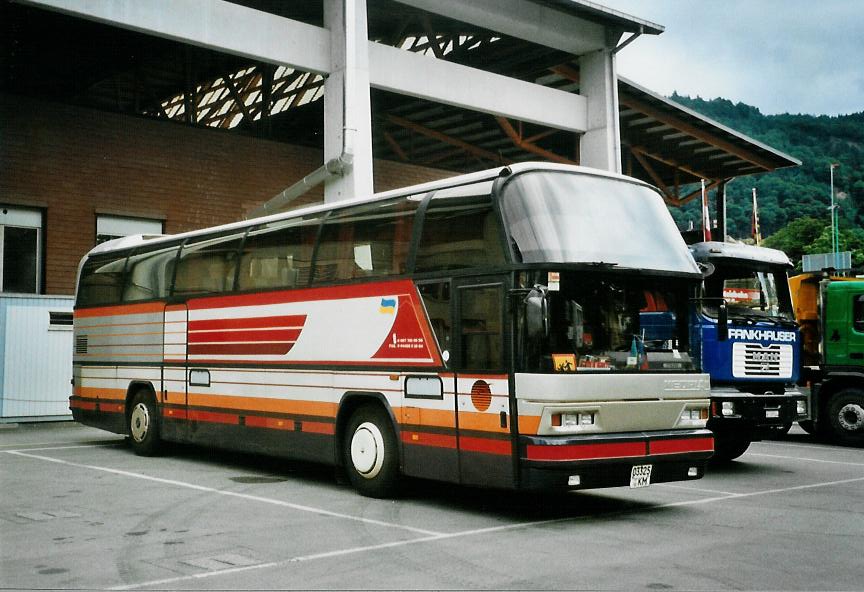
x=481, y=395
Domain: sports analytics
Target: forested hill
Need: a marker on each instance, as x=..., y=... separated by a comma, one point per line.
x=798, y=193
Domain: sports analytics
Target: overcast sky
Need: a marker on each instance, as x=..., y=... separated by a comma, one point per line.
x=782, y=56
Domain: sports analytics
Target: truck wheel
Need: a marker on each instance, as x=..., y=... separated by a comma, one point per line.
x=142, y=419
x=371, y=452
x=846, y=416
x=728, y=447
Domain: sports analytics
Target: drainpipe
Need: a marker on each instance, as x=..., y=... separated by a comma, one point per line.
x=342, y=164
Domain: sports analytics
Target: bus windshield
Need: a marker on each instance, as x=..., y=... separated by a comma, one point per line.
x=565, y=217
x=574, y=321
x=750, y=295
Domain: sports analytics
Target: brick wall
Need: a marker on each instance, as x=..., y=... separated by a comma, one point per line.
x=76, y=162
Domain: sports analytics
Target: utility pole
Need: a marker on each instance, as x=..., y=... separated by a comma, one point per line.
x=835, y=240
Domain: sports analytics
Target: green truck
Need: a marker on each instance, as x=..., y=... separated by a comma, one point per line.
x=830, y=312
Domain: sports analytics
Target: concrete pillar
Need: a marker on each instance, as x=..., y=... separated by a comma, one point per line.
x=347, y=109
x=600, y=146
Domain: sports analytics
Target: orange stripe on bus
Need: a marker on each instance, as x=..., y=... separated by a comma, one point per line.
x=116, y=394
x=297, y=407
x=529, y=425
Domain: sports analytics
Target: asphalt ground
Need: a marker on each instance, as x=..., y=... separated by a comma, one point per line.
x=78, y=510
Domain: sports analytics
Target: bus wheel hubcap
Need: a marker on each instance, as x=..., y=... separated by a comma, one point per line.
x=852, y=417
x=367, y=450
x=140, y=422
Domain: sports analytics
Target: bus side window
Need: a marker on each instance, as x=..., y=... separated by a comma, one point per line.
x=148, y=274
x=459, y=232
x=436, y=299
x=101, y=280
x=208, y=266
x=278, y=256
x=365, y=241
x=480, y=318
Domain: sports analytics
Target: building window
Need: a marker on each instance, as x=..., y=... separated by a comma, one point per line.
x=111, y=227
x=20, y=250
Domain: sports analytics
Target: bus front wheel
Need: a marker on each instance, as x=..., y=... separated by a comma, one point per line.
x=371, y=452
x=143, y=424
x=846, y=416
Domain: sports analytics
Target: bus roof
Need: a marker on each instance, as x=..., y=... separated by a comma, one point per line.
x=128, y=242
x=716, y=250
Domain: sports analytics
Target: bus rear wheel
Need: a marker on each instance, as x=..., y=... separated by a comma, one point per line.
x=143, y=424
x=846, y=416
x=371, y=452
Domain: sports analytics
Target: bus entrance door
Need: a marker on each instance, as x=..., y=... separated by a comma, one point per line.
x=482, y=386
x=174, y=396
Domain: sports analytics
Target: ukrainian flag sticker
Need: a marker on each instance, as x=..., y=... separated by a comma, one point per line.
x=387, y=306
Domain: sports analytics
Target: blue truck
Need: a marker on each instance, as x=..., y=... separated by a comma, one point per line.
x=744, y=332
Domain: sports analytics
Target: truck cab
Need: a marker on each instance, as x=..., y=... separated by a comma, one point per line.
x=745, y=336
x=832, y=321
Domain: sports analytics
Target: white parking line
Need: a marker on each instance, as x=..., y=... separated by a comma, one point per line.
x=431, y=536
x=19, y=449
x=816, y=460
x=699, y=489
x=795, y=445
x=168, y=582
x=24, y=445
x=234, y=494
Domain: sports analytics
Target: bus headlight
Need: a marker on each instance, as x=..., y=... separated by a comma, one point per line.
x=728, y=409
x=801, y=407
x=573, y=419
x=695, y=416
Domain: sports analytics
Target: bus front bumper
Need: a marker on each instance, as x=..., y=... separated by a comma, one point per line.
x=731, y=408
x=613, y=460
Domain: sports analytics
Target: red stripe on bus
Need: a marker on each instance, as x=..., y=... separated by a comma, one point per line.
x=315, y=427
x=427, y=439
x=681, y=445
x=248, y=323
x=85, y=405
x=211, y=417
x=486, y=445
x=240, y=349
x=585, y=451
x=278, y=335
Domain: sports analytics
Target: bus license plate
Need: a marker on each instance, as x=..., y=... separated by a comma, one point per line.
x=640, y=476
x=772, y=413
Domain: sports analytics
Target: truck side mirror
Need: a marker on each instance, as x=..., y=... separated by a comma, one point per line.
x=722, y=322
x=537, y=312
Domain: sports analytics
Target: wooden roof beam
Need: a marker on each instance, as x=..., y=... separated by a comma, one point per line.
x=694, y=131
x=669, y=198
x=436, y=135
x=516, y=137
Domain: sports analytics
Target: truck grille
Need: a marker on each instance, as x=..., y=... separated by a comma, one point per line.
x=757, y=360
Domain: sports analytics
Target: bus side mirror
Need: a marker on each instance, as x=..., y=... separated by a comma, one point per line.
x=722, y=322
x=537, y=312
